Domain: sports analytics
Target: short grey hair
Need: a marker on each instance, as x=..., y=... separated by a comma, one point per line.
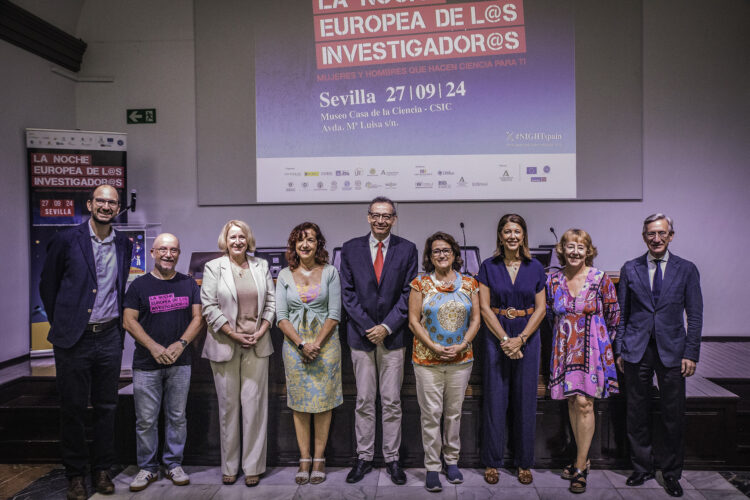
x=658, y=216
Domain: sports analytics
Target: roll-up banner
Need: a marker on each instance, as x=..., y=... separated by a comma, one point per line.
x=64, y=167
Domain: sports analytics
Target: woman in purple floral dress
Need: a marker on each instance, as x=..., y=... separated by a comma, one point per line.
x=583, y=302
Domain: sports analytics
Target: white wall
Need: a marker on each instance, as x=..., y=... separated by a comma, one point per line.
x=695, y=150
x=695, y=147
x=30, y=96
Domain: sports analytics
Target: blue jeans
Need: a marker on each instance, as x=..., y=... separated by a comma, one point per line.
x=149, y=388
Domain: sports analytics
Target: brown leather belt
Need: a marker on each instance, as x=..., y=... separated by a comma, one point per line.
x=100, y=327
x=512, y=312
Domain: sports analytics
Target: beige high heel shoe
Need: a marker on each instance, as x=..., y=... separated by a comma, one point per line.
x=302, y=477
x=317, y=476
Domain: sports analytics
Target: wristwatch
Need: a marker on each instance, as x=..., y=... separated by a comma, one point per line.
x=300, y=345
x=183, y=342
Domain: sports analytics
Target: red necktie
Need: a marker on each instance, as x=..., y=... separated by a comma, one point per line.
x=379, y=261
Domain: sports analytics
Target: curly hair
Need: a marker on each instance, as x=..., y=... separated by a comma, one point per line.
x=427, y=264
x=297, y=234
x=576, y=235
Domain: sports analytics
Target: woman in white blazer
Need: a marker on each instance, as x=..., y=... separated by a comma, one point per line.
x=238, y=299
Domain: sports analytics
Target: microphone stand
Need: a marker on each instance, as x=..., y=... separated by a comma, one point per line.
x=131, y=205
x=466, y=265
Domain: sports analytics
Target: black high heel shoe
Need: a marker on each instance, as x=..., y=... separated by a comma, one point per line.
x=578, y=481
x=570, y=470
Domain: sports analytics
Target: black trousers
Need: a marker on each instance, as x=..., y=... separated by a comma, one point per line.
x=638, y=382
x=89, y=370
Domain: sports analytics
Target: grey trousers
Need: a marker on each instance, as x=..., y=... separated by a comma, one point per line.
x=381, y=368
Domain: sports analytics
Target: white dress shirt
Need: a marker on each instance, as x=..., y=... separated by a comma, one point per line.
x=374, y=246
x=374, y=253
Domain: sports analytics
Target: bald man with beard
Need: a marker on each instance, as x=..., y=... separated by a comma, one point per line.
x=163, y=315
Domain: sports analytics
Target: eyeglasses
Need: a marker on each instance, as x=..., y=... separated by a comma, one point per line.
x=436, y=252
x=653, y=234
x=383, y=217
x=165, y=251
x=100, y=202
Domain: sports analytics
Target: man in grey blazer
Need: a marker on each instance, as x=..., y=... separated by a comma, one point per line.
x=376, y=270
x=656, y=291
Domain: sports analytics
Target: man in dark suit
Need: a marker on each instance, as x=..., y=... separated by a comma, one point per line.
x=655, y=291
x=82, y=287
x=376, y=271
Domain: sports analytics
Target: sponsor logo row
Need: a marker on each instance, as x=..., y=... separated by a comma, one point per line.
x=534, y=173
x=86, y=141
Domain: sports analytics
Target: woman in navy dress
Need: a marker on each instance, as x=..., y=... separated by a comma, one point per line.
x=512, y=303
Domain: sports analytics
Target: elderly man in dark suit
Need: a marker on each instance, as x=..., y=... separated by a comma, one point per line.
x=82, y=287
x=656, y=291
x=376, y=270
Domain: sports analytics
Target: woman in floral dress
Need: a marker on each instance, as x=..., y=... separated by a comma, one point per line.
x=308, y=308
x=583, y=302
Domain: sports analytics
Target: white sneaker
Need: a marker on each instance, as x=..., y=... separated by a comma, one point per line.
x=178, y=476
x=142, y=480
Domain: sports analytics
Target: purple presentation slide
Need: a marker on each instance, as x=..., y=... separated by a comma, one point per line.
x=416, y=100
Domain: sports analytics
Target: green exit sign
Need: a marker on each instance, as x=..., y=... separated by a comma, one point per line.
x=141, y=115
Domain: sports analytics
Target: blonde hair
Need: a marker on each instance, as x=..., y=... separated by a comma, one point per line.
x=245, y=230
x=577, y=235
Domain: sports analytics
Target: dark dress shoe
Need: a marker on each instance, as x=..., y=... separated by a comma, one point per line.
x=76, y=488
x=672, y=486
x=638, y=478
x=361, y=467
x=102, y=483
x=396, y=472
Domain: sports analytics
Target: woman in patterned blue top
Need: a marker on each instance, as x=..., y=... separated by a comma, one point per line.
x=444, y=316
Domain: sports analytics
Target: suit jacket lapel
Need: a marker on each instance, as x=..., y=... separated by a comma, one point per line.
x=226, y=275
x=389, y=256
x=670, y=272
x=84, y=240
x=642, y=270
x=122, y=270
x=366, y=257
x=260, y=284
